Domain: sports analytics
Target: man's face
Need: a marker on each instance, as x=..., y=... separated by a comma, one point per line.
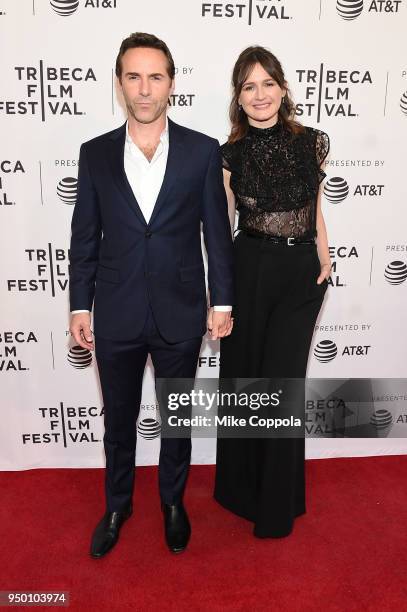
x=145, y=83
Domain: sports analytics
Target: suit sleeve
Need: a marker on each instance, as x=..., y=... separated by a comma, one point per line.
x=86, y=230
x=217, y=235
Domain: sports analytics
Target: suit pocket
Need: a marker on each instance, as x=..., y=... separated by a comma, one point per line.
x=192, y=273
x=110, y=275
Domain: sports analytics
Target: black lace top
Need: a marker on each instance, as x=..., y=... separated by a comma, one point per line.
x=275, y=177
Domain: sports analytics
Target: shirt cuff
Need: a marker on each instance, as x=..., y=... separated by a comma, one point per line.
x=222, y=308
x=75, y=311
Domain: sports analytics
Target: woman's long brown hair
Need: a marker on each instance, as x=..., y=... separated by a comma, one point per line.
x=243, y=67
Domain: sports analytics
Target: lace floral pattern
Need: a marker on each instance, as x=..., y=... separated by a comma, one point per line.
x=275, y=177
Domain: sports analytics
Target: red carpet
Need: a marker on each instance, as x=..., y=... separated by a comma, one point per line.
x=349, y=552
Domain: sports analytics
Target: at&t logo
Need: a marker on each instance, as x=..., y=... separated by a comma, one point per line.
x=351, y=9
x=327, y=92
x=396, y=272
x=181, y=99
x=66, y=8
x=403, y=103
x=149, y=428
x=381, y=418
x=79, y=357
x=336, y=190
x=67, y=190
x=327, y=350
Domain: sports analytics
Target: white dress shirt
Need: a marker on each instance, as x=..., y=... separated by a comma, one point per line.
x=145, y=178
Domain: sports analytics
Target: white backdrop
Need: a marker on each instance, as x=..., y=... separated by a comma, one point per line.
x=343, y=63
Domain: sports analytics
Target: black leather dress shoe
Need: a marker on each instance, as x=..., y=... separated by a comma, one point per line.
x=177, y=527
x=106, y=533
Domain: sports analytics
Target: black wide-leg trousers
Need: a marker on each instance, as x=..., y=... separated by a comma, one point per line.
x=277, y=304
x=121, y=367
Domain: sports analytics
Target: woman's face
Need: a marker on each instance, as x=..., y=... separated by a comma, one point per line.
x=261, y=98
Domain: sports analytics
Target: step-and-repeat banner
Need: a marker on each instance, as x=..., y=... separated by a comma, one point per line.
x=348, y=76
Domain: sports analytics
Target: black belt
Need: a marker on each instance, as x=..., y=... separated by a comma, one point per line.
x=291, y=241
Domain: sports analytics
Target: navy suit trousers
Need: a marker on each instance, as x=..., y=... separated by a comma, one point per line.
x=121, y=365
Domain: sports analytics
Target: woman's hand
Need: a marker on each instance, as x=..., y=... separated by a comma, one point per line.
x=325, y=273
x=219, y=324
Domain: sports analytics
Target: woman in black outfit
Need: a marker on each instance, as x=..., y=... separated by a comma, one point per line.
x=272, y=172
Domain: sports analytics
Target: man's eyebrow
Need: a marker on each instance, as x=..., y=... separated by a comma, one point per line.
x=130, y=73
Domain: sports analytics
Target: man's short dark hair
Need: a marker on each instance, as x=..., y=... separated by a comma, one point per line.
x=141, y=39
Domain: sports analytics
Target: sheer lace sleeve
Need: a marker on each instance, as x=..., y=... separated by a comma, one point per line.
x=321, y=151
x=227, y=151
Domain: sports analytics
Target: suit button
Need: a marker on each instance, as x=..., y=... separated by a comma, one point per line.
x=148, y=234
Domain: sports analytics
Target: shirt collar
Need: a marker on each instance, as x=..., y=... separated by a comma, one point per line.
x=163, y=136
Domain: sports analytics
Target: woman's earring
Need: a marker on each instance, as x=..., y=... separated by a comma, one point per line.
x=240, y=107
x=283, y=100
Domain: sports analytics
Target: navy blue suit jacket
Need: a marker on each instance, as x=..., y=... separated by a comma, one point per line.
x=123, y=264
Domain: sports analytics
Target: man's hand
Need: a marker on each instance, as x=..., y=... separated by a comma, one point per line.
x=80, y=330
x=220, y=324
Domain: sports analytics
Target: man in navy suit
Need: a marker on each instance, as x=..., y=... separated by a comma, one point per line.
x=135, y=256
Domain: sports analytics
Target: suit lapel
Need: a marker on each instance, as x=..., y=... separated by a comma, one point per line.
x=116, y=152
x=174, y=165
